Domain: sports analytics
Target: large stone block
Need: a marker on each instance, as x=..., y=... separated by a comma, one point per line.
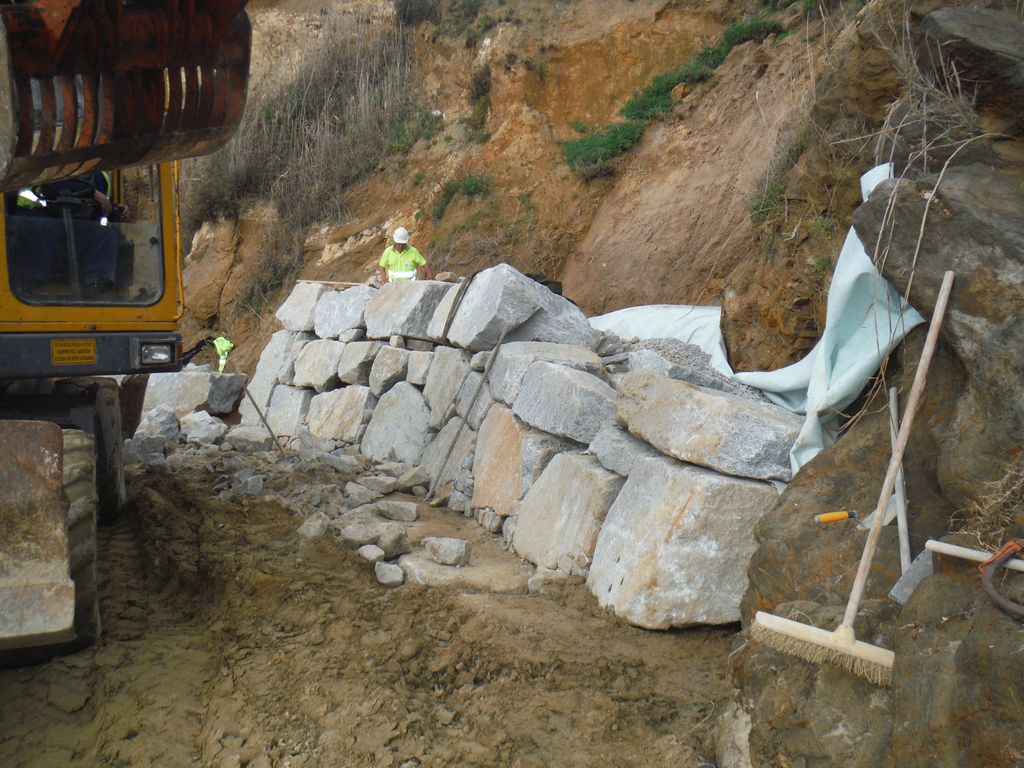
x=564, y=401
x=502, y=299
x=317, y=365
x=201, y=427
x=272, y=358
x=288, y=408
x=418, y=367
x=249, y=439
x=515, y=359
x=674, y=548
x=339, y=311
x=497, y=465
x=403, y=308
x=399, y=427
x=561, y=516
x=188, y=391
x=447, y=372
x=341, y=414
x=509, y=457
x=713, y=429
x=389, y=368
x=299, y=309
x=357, y=361
x=618, y=450
x=435, y=453
x=286, y=373
x=161, y=422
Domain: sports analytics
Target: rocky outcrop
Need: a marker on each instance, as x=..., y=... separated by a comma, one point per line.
x=975, y=227
x=982, y=45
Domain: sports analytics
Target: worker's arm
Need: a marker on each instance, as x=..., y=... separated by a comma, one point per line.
x=383, y=275
x=426, y=273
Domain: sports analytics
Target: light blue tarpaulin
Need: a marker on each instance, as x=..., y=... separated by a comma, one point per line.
x=865, y=320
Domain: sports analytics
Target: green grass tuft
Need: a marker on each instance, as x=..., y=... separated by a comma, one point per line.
x=590, y=152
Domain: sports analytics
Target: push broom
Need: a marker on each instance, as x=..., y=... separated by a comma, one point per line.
x=841, y=647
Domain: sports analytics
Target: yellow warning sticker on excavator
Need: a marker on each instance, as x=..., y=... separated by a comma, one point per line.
x=73, y=351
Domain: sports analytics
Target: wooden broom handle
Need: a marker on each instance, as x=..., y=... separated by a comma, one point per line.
x=897, y=453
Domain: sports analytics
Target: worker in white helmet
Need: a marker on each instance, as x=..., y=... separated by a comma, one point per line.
x=400, y=261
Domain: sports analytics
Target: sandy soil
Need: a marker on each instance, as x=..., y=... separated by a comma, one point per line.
x=229, y=643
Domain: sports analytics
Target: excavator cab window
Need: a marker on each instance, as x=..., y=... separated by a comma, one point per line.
x=92, y=239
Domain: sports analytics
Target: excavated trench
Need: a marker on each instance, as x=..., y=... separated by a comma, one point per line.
x=230, y=642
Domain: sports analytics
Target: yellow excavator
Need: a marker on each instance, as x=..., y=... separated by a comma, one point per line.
x=98, y=100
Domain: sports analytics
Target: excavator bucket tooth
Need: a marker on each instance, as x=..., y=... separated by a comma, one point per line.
x=37, y=596
x=86, y=85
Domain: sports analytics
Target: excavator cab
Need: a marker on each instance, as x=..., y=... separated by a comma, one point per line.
x=98, y=100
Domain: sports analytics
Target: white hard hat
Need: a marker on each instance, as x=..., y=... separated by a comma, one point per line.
x=401, y=235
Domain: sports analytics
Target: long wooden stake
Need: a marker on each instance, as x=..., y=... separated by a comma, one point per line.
x=897, y=455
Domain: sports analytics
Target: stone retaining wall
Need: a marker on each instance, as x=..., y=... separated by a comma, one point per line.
x=591, y=467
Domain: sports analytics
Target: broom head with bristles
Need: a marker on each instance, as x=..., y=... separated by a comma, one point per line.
x=816, y=645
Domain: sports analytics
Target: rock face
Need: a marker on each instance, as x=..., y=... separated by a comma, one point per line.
x=403, y=308
x=502, y=299
x=560, y=517
x=675, y=545
x=299, y=309
x=815, y=713
x=984, y=46
x=564, y=401
x=943, y=693
x=339, y=311
x=341, y=414
x=399, y=426
x=980, y=236
x=713, y=429
x=515, y=358
x=317, y=365
x=288, y=407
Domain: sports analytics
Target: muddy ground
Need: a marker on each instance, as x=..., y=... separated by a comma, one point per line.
x=230, y=643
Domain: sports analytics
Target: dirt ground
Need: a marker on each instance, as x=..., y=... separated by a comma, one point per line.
x=230, y=643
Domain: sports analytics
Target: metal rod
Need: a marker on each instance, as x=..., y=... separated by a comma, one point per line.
x=901, y=490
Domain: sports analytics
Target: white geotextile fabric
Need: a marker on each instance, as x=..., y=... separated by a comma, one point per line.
x=865, y=320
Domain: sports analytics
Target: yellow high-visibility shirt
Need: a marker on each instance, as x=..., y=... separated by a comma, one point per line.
x=401, y=265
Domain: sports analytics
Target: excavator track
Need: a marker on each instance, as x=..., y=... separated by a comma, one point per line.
x=79, y=486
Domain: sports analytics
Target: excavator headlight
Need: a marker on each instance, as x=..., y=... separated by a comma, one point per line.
x=157, y=354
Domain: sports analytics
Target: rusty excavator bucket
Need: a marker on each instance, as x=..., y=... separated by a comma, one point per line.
x=88, y=84
x=37, y=596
